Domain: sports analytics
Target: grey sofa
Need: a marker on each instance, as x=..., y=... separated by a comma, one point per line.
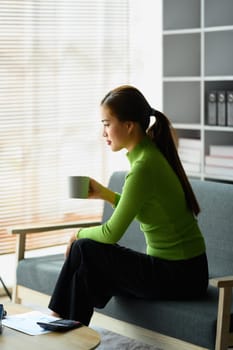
x=208, y=322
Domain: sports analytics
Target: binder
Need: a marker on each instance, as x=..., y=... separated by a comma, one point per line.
x=229, y=108
x=221, y=107
x=212, y=108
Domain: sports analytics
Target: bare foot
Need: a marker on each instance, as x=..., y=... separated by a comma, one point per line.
x=54, y=314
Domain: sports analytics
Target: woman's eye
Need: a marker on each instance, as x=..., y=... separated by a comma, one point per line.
x=106, y=125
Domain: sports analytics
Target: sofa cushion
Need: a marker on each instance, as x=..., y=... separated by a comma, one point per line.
x=40, y=273
x=192, y=321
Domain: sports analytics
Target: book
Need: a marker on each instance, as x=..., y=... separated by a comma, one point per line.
x=189, y=154
x=222, y=151
x=215, y=170
x=219, y=161
x=27, y=322
x=192, y=167
x=189, y=143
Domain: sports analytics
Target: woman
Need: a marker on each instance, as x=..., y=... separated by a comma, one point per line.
x=158, y=194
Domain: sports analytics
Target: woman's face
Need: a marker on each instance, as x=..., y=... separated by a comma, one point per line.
x=115, y=132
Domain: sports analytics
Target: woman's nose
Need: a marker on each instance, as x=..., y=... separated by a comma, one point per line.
x=104, y=133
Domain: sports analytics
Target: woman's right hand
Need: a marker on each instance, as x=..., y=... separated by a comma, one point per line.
x=98, y=191
x=95, y=189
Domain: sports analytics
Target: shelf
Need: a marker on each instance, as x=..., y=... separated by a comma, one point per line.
x=218, y=78
x=197, y=30
x=219, y=128
x=182, y=101
x=218, y=177
x=205, y=78
x=218, y=13
x=189, y=17
x=218, y=29
x=195, y=175
x=218, y=53
x=175, y=79
x=186, y=126
x=181, y=55
x=182, y=31
x=197, y=60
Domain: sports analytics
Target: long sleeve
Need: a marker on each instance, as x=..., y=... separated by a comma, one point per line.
x=135, y=191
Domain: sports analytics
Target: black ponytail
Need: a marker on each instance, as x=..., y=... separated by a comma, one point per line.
x=164, y=136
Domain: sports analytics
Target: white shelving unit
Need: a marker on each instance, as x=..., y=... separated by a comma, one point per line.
x=197, y=58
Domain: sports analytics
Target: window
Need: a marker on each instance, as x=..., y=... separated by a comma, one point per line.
x=57, y=60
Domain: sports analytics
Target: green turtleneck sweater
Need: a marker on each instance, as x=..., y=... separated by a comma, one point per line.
x=152, y=194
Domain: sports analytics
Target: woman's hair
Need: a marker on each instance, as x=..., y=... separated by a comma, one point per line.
x=128, y=104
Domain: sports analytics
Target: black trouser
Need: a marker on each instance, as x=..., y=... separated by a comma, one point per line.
x=94, y=272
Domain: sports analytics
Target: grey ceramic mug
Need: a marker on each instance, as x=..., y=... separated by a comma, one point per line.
x=79, y=186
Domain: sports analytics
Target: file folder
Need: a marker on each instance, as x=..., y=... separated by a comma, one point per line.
x=212, y=108
x=229, y=108
x=221, y=106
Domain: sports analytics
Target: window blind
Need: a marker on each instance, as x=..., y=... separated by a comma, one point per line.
x=57, y=60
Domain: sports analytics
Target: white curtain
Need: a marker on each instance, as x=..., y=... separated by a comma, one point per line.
x=57, y=60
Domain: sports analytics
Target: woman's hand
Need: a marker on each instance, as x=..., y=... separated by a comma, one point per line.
x=98, y=191
x=95, y=189
x=73, y=238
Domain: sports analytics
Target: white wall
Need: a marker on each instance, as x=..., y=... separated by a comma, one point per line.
x=146, y=69
x=146, y=39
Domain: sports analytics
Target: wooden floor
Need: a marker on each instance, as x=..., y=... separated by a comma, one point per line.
x=4, y=299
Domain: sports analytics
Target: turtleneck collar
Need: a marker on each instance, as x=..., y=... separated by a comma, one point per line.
x=136, y=151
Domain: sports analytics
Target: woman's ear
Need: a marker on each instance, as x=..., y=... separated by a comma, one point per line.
x=130, y=126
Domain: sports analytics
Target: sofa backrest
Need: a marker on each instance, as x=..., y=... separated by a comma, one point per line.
x=215, y=221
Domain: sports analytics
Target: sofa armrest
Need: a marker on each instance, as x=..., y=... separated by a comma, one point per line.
x=224, y=337
x=22, y=230
x=222, y=282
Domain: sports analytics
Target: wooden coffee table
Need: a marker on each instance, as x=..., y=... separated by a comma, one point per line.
x=83, y=338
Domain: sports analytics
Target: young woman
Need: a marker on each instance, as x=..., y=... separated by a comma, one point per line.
x=157, y=193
